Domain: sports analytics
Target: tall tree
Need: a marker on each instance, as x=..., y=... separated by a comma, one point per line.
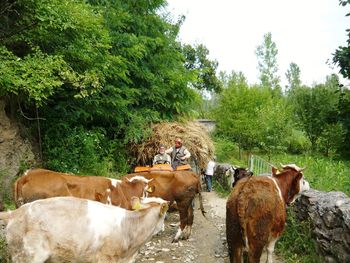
x=267, y=63
x=342, y=54
x=293, y=77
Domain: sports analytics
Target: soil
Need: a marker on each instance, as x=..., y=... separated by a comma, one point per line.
x=207, y=244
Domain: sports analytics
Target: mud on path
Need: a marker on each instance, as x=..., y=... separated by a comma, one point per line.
x=207, y=243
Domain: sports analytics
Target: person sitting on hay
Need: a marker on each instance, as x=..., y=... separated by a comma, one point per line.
x=179, y=154
x=162, y=157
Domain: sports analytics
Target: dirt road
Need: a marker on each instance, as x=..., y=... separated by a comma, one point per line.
x=207, y=243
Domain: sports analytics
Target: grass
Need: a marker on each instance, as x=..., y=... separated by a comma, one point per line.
x=4, y=256
x=322, y=173
x=296, y=244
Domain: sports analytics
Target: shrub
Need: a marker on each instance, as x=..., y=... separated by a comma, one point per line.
x=79, y=151
x=296, y=244
x=4, y=256
x=298, y=143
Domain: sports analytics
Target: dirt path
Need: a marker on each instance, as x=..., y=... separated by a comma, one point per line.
x=207, y=243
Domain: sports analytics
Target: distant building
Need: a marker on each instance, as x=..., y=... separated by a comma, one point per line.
x=209, y=124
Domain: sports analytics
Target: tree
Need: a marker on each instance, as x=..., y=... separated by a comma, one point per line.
x=293, y=77
x=237, y=111
x=204, y=69
x=342, y=54
x=267, y=63
x=316, y=107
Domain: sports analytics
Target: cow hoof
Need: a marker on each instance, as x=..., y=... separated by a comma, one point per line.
x=175, y=240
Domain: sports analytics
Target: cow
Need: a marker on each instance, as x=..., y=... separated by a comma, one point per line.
x=41, y=183
x=256, y=212
x=227, y=175
x=70, y=229
x=238, y=174
x=179, y=186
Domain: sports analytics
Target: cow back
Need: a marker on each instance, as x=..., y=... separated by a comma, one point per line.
x=41, y=183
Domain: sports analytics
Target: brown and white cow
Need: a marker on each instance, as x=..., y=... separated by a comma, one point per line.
x=179, y=186
x=41, y=183
x=256, y=212
x=69, y=229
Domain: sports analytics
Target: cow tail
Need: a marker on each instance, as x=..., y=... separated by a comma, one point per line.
x=240, y=213
x=201, y=207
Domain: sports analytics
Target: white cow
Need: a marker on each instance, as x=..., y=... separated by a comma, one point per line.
x=69, y=229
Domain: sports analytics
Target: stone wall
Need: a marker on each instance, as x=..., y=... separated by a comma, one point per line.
x=329, y=214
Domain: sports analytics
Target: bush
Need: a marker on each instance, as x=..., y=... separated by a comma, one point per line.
x=79, y=151
x=296, y=243
x=298, y=143
x=4, y=256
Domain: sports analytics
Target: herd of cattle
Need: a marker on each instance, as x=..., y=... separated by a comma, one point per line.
x=66, y=218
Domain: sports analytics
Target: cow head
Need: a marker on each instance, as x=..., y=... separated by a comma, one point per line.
x=140, y=181
x=299, y=184
x=239, y=173
x=147, y=202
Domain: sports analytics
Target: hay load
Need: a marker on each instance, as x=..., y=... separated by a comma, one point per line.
x=194, y=136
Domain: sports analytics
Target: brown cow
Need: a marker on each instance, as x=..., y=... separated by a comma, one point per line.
x=41, y=183
x=179, y=186
x=256, y=212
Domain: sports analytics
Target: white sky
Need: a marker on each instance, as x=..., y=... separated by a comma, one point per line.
x=306, y=32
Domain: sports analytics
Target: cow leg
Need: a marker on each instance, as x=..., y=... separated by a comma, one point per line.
x=189, y=223
x=183, y=207
x=269, y=249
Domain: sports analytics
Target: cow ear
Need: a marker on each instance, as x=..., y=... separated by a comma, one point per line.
x=164, y=207
x=135, y=203
x=274, y=170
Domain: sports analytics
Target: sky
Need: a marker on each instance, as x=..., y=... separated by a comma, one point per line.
x=306, y=32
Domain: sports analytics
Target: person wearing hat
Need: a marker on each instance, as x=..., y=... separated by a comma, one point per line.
x=162, y=157
x=179, y=154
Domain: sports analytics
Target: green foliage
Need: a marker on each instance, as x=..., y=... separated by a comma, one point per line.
x=323, y=173
x=341, y=57
x=298, y=143
x=4, y=255
x=316, y=107
x=226, y=151
x=267, y=63
x=293, y=77
x=331, y=139
x=205, y=69
x=78, y=151
x=296, y=244
x=98, y=72
x=344, y=119
x=252, y=116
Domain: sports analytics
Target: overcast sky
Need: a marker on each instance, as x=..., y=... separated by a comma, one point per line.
x=306, y=32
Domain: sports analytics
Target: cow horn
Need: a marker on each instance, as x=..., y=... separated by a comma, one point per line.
x=282, y=165
x=128, y=179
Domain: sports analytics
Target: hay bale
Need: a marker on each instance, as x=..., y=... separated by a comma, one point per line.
x=194, y=137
